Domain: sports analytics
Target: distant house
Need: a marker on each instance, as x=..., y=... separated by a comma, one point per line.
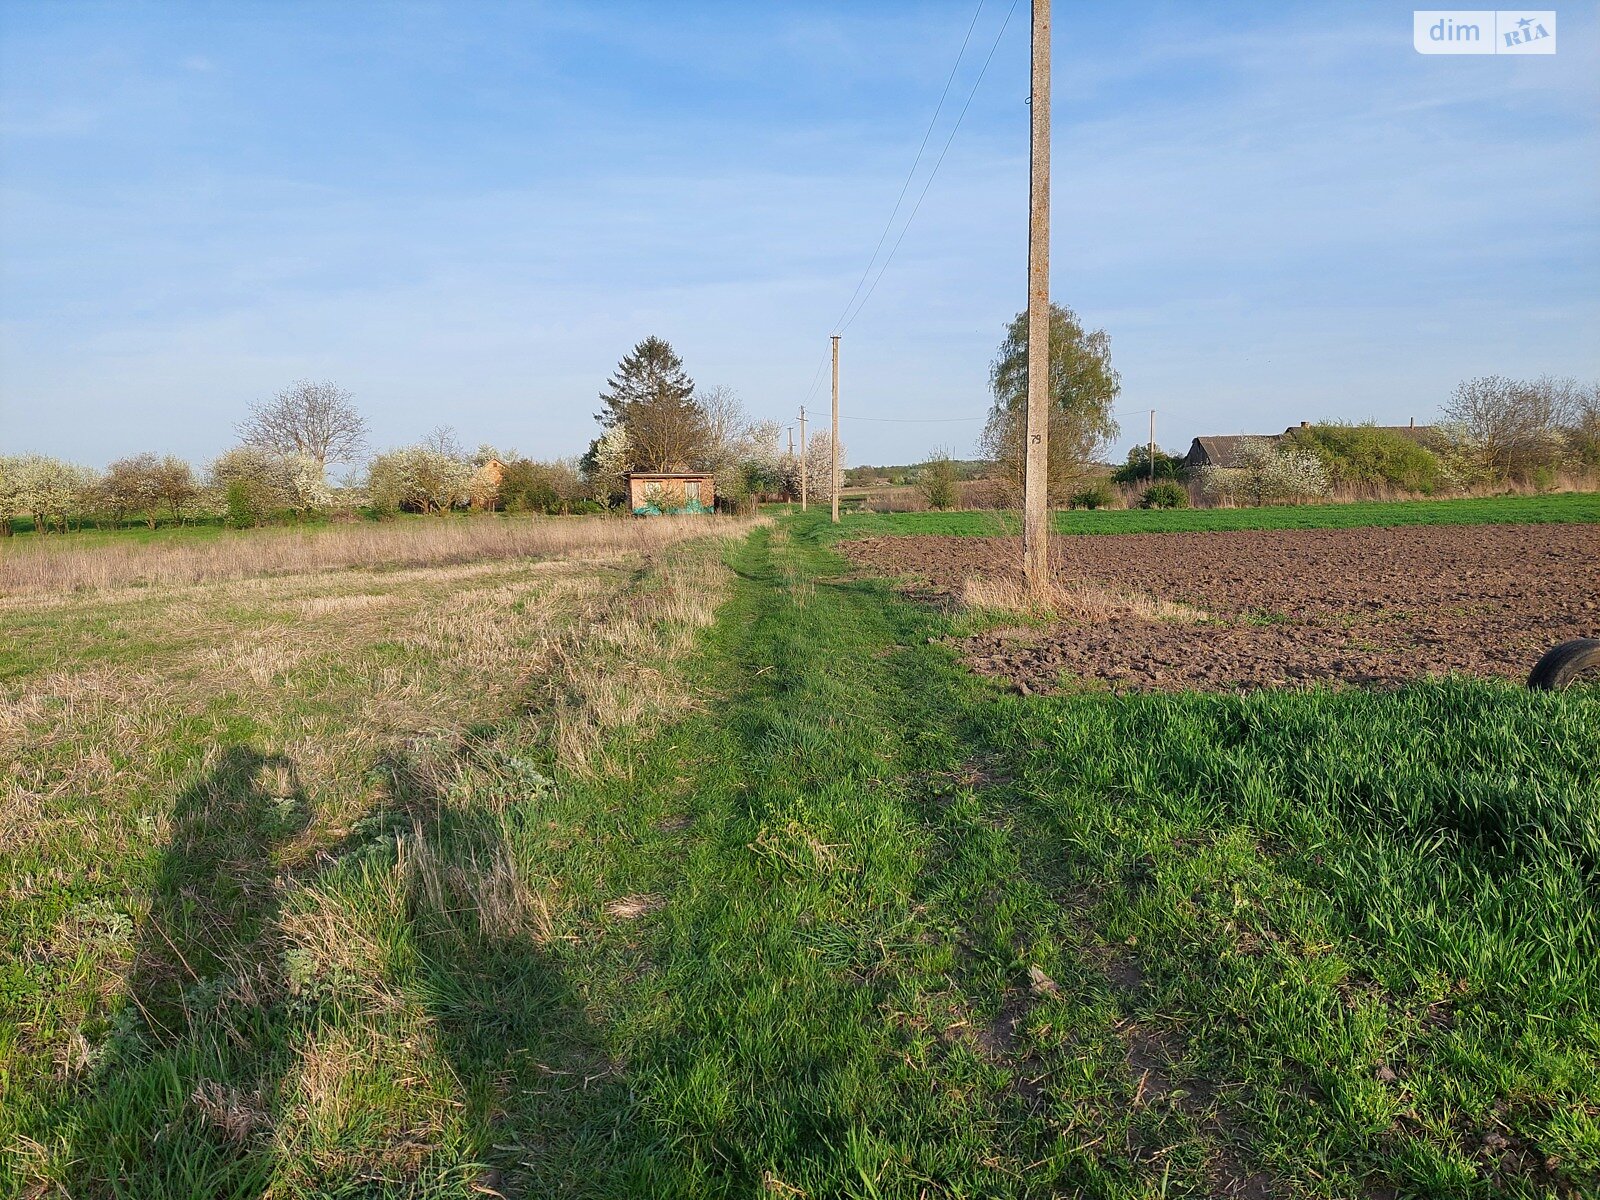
x=1223, y=450
x=651, y=493
x=486, y=484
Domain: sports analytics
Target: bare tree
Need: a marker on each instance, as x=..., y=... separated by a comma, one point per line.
x=741, y=451
x=443, y=440
x=1514, y=426
x=316, y=420
x=726, y=421
x=1580, y=421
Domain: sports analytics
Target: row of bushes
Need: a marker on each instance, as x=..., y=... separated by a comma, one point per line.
x=251, y=486
x=1166, y=493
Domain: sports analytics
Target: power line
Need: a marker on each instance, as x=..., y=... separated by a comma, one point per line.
x=815, y=379
x=847, y=316
x=914, y=420
x=1121, y=412
x=915, y=163
x=933, y=173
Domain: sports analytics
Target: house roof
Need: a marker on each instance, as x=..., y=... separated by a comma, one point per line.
x=1221, y=450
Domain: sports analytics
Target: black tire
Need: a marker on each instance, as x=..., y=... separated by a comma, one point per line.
x=1566, y=664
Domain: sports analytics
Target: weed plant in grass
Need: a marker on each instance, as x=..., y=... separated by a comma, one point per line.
x=1565, y=507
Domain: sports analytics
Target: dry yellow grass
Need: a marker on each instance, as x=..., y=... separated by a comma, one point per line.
x=349, y=694
x=332, y=683
x=65, y=564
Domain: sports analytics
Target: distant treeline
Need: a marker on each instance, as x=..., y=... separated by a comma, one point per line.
x=867, y=476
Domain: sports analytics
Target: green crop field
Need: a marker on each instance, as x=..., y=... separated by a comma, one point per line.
x=381, y=884
x=1564, y=507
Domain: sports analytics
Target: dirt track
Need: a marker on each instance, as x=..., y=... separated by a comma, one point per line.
x=1352, y=606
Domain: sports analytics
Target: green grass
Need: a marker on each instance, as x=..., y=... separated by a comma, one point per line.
x=1323, y=943
x=1560, y=508
x=132, y=531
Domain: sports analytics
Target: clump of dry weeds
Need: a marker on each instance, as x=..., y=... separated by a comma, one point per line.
x=1085, y=603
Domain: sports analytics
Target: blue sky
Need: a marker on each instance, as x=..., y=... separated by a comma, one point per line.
x=467, y=212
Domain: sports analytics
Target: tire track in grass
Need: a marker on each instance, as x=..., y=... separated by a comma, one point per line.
x=836, y=996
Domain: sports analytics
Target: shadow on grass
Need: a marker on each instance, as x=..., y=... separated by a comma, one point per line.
x=181, y=1087
x=546, y=1107
x=197, y=1089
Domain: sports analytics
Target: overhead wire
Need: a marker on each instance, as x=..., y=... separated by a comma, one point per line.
x=915, y=163
x=911, y=420
x=954, y=129
x=848, y=315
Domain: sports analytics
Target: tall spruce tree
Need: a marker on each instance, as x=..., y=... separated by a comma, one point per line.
x=652, y=397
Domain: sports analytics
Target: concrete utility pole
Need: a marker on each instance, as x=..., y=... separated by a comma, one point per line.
x=1036, y=472
x=791, y=457
x=833, y=443
x=805, y=458
x=1152, y=445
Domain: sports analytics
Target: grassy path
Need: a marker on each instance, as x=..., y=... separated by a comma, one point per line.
x=801, y=1026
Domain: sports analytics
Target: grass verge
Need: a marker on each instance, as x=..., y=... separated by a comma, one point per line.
x=1559, y=508
x=184, y=765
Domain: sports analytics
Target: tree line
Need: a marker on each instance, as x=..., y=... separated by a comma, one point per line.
x=653, y=417
x=1494, y=431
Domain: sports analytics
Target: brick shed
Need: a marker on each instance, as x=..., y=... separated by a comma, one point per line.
x=651, y=493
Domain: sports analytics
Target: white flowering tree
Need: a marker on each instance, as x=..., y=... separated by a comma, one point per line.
x=606, y=464
x=51, y=491
x=419, y=479
x=308, y=485
x=1267, y=472
x=10, y=503
x=818, y=466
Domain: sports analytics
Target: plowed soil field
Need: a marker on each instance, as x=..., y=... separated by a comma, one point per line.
x=1284, y=607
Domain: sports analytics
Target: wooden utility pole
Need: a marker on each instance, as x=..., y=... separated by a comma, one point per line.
x=1152, y=445
x=805, y=458
x=1036, y=472
x=833, y=442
